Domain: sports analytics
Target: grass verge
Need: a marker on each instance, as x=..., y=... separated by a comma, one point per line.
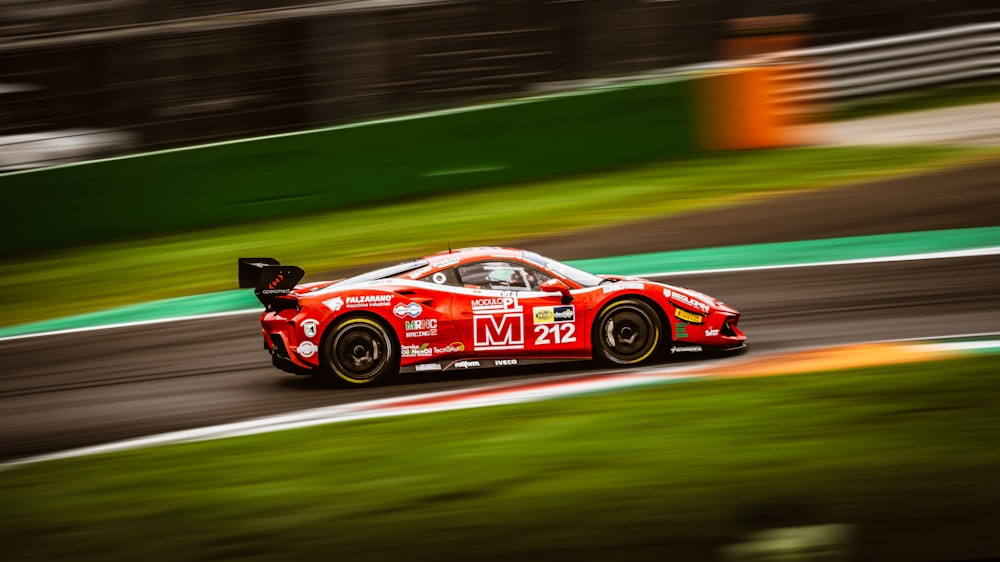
x=905, y=453
x=98, y=277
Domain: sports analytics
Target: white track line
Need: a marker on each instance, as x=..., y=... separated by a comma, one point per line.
x=952, y=337
x=971, y=253
x=962, y=345
x=133, y=324
x=975, y=252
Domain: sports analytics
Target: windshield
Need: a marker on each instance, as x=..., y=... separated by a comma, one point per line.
x=578, y=276
x=385, y=272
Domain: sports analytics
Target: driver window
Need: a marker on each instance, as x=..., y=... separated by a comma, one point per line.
x=501, y=276
x=443, y=277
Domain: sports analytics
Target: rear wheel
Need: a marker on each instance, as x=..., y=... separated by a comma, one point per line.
x=359, y=351
x=627, y=332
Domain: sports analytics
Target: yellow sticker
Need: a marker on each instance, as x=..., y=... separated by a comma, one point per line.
x=687, y=316
x=545, y=314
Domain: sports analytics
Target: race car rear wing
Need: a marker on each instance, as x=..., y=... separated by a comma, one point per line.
x=270, y=280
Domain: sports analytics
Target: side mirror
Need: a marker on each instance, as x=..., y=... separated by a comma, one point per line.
x=558, y=286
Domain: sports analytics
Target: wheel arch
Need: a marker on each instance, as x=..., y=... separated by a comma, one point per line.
x=360, y=314
x=657, y=308
x=330, y=330
x=666, y=327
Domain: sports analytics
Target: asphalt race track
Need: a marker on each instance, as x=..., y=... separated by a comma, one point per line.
x=66, y=391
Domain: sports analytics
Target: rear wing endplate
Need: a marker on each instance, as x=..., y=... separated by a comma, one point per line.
x=269, y=279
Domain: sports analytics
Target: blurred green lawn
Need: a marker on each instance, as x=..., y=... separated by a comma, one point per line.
x=97, y=277
x=907, y=453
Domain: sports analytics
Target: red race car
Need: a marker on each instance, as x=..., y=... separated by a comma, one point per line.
x=476, y=308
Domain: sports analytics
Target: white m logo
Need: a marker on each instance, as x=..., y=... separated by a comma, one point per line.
x=496, y=331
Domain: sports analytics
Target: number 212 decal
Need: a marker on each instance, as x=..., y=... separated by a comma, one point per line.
x=560, y=333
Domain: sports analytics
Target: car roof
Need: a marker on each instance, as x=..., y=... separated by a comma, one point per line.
x=460, y=256
x=465, y=255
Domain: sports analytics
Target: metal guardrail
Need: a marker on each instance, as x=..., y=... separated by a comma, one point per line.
x=862, y=68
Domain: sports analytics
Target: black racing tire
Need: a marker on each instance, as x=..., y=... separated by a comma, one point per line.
x=627, y=332
x=360, y=351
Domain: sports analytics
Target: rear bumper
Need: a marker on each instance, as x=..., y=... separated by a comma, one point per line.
x=286, y=365
x=281, y=358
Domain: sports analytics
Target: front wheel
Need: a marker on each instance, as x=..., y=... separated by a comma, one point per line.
x=627, y=332
x=359, y=351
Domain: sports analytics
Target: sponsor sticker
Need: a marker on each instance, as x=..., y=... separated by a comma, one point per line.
x=680, y=330
x=499, y=331
x=497, y=322
x=307, y=349
x=422, y=350
x=505, y=362
x=453, y=347
x=691, y=302
x=334, y=304
x=466, y=364
x=686, y=349
x=488, y=305
x=416, y=274
x=711, y=333
x=439, y=278
x=365, y=301
x=378, y=282
x=623, y=285
x=421, y=328
x=428, y=367
x=403, y=310
x=550, y=314
x=429, y=324
x=309, y=327
x=688, y=317
x=273, y=289
x=445, y=262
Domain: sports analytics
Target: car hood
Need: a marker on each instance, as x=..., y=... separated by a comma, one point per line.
x=695, y=300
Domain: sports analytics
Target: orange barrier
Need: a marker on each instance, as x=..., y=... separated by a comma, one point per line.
x=746, y=108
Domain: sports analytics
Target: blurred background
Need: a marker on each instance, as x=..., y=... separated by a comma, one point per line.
x=86, y=78
x=627, y=127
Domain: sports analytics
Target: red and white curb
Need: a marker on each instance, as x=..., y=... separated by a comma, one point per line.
x=483, y=396
x=490, y=395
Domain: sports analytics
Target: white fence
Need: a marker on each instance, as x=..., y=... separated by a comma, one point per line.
x=852, y=70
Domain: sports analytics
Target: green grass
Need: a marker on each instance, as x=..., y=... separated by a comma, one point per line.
x=907, y=454
x=98, y=277
x=916, y=100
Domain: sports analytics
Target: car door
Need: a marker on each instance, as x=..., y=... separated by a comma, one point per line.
x=423, y=324
x=501, y=311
